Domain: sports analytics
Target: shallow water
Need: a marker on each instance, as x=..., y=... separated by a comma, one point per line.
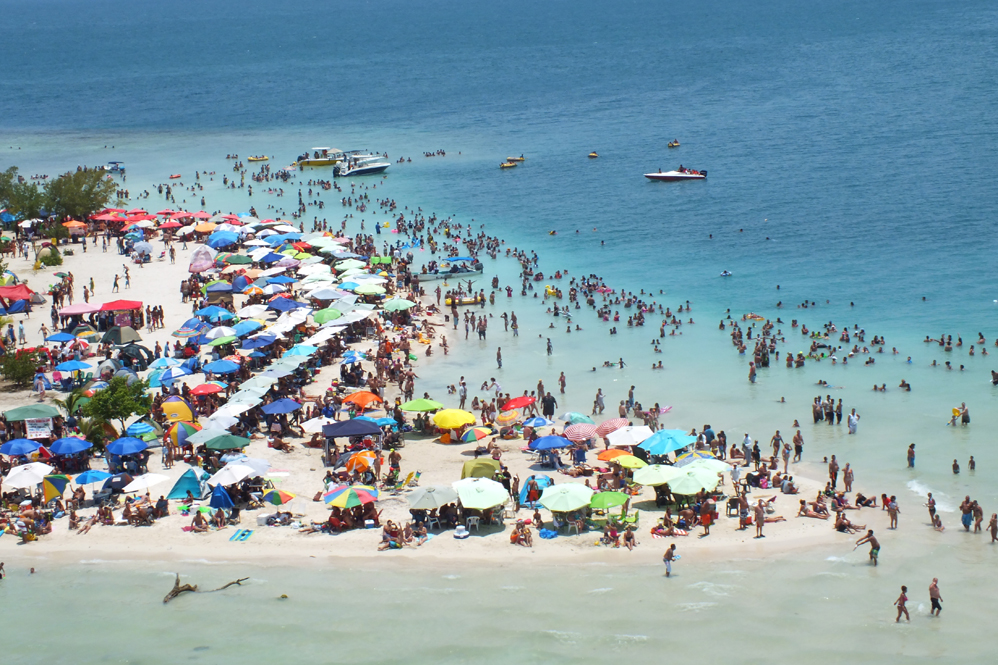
x=850, y=149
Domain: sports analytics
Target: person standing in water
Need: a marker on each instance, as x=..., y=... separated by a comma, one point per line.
x=935, y=597
x=911, y=456
x=900, y=602
x=668, y=558
x=874, y=545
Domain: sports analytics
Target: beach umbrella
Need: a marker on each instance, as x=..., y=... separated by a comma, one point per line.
x=628, y=436
x=222, y=341
x=232, y=473
x=692, y=456
x=360, y=462
x=226, y=442
x=259, y=466
x=69, y=445
x=363, y=399
x=476, y=434
x=54, y=486
x=284, y=405
x=453, y=418
x=549, y=443
x=326, y=315
x=421, y=405
x=172, y=374
x=580, y=432
x=629, y=462
x=244, y=328
x=91, y=476
x=26, y=475
x=210, y=388
x=657, y=474
x=259, y=342
x=220, y=498
x=300, y=350
x=214, y=313
x=73, y=366
x=179, y=431
x=537, y=422
x=369, y=289
x=126, y=445
x=507, y=418
x=607, y=455
x=480, y=493
x=251, y=311
x=221, y=367
x=164, y=363
x=575, y=418
x=145, y=481
x=692, y=481
x=139, y=428
x=220, y=331
x=429, y=498
x=60, y=337
x=566, y=497
x=186, y=333
x=518, y=402
x=315, y=425
x=397, y=305
x=607, y=500
x=277, y=497
x=708, y=464
x=666, y=441
x=349, y=496
x=611, y=425
x=16, y=447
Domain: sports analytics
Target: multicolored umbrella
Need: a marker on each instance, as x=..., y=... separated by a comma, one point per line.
x=692, y=456
x=507, y=418
x=361, y=461
x=179, y=431
x=476, y=434
x=611, y=425
x=349, y=496
x=278, y=497
x=53, y=486
x=580, y=432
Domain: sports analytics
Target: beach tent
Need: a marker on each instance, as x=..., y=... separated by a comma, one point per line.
x=480, y=468
x=193, y=480
x=542, y=483
x=176, y=409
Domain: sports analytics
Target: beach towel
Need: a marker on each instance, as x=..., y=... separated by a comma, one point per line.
x=548, y=534
x=241, y=535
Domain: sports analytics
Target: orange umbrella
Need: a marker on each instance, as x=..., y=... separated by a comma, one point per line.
x=72, y=224
x=205, y=227
x=608, y=455
x=361, y=461
x=363, y=398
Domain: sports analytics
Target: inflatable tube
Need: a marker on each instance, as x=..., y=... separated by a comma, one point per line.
x=174, y=176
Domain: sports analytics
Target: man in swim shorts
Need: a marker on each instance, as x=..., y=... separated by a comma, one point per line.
x=668, y=558
x=935, y=597
x=874, y=545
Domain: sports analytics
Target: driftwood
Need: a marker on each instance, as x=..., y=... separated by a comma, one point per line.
x=179, y=588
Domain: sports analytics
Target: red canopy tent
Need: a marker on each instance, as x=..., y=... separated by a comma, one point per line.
x=9, y=294
x=121, y=306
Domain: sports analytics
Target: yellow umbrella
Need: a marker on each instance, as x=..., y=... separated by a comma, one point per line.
x=507, y=418
x=205, y=227
x=629, y=462
x=453, y=418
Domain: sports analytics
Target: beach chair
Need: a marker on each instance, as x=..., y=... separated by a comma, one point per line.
x=632, y=520
x=414, y=482
x=473, y=522
x=731, y=508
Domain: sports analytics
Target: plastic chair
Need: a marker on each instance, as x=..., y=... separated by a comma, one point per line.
x=573, y=525
x=433, y=522
x=473, y=522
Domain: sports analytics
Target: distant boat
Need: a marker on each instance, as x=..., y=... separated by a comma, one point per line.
x=593, y=155
x=260, y=158
x=507, y=165
x=674, y=176
x=516, y=159
x=674, y=144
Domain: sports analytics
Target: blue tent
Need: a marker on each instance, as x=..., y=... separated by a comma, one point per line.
x=220, y=498
x=352, y=427
x=240, y=282
x=219, y=287
x=60, y=337
x=193, y=480
x=542, y=482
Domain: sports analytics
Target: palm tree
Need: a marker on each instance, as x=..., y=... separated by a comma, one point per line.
x=72, y=403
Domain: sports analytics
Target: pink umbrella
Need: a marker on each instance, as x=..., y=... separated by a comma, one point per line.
x=611, y=425
x=180, y=214
x=580, y=432
x=80, y=308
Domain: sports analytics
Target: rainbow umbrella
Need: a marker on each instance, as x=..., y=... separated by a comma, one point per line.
x=54, y=486
x=350, y=496
x=278, y=497
x=476, y=434
x=507, y=418
x=693, y=456
x=179, y=432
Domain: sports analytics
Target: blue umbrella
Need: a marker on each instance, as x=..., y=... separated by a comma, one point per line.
x=244, y=328
x=221, y=367
x=72, y=366
x=666, y=441
x=281, y=279
x=198, y=324
x=282, y=406
x=301, y=350
x=69, y=445
x=220, y=498
x=257, y=354
x=19, y=447
x=349, y=286
x=274, y=241
x=537, y=422
x=222, y=239
x=257, y=342
x=285, y=304
x=126, y=445
x=219, y=287
x=139, y=428
x=163, y=363
x=214, y=312
x=60, y=337
x=172, y=374
x=91, y=476
x=272, y=257
x=550, y=442
x=240, y=282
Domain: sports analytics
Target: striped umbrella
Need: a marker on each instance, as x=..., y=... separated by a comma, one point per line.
x=476, y=434
x=507, y=418
x=580, y=432
x=179, y=432
x=361, y=461
x=611, y=425
x=278, y=497
x=185, y=333
x=350, y=496
x=693, y=456
x=54, y=486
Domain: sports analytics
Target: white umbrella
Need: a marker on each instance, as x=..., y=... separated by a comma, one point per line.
x=258, y=243
x=324, y=335
x=480, y=493
x=631, y=435
x=315, y=269
x=270, y=272
x=259, y=466
x=144, y=481
x=285, y=228
x=144, y=224
x=27, y=475
x=314, y=426
x=187, y=230
x=221, y=420
x=252, y=311
x=221, y=331
x=428, y=498
x=231, y=474
x=273, y=289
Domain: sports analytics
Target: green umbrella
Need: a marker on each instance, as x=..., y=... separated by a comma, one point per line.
x=325, y=315
x=421, y=405
x=480, y=493
x=657, y=474
x=369, y=289
x=349, y=263
x=386, y=260
x=566, y=497
x=712, y=465
x=576, y=418
x=239, y=260
x=397, y=304
x=226, y=442
x=32, y=411
x=228, y=339
x=692, y=481
x=605, y=500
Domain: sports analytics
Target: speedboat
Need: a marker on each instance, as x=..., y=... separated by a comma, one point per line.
x=461, y=267
x=725, y=273
x=681, y=174
x=115, y=167
x=320, y=157
x=366, y=165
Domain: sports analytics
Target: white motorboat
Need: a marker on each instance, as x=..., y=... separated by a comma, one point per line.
x=360, y=165
x=677, y=175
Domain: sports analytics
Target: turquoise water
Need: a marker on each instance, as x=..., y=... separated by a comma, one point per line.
x=851, y=157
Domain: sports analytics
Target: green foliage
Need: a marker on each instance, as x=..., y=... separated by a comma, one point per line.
x=7, y=180
x=118, y=402
x=19, y=367
x=92, y=430
x=73, y=402
x=55, y=232
x=79, y=194
x=26, y=200
x=51, y=258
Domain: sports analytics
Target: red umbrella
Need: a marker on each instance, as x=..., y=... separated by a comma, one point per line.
x=207, y=389
x=180, y=214
x=200, y=214
x=518, y=403
x=112, y=210
x=580, y=432
x=611, y=425
x=165, y=212
x=171, y=225
x=137, y=211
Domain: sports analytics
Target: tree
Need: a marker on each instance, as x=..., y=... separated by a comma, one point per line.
x=118, y=402
x=19, y=367
x=26, y=200
x=73, y=402
x=79, y=194
x=7, y=180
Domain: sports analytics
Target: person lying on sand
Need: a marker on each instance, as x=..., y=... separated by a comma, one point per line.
x=806, y=512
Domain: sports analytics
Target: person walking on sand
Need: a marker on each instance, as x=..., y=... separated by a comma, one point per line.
x=874, y=545
x=760, y=518
x=902, y=599
x=668, y=558
x=935, y=597
x=115, y=288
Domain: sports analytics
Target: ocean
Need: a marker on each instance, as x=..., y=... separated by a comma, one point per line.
x=850, y=152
